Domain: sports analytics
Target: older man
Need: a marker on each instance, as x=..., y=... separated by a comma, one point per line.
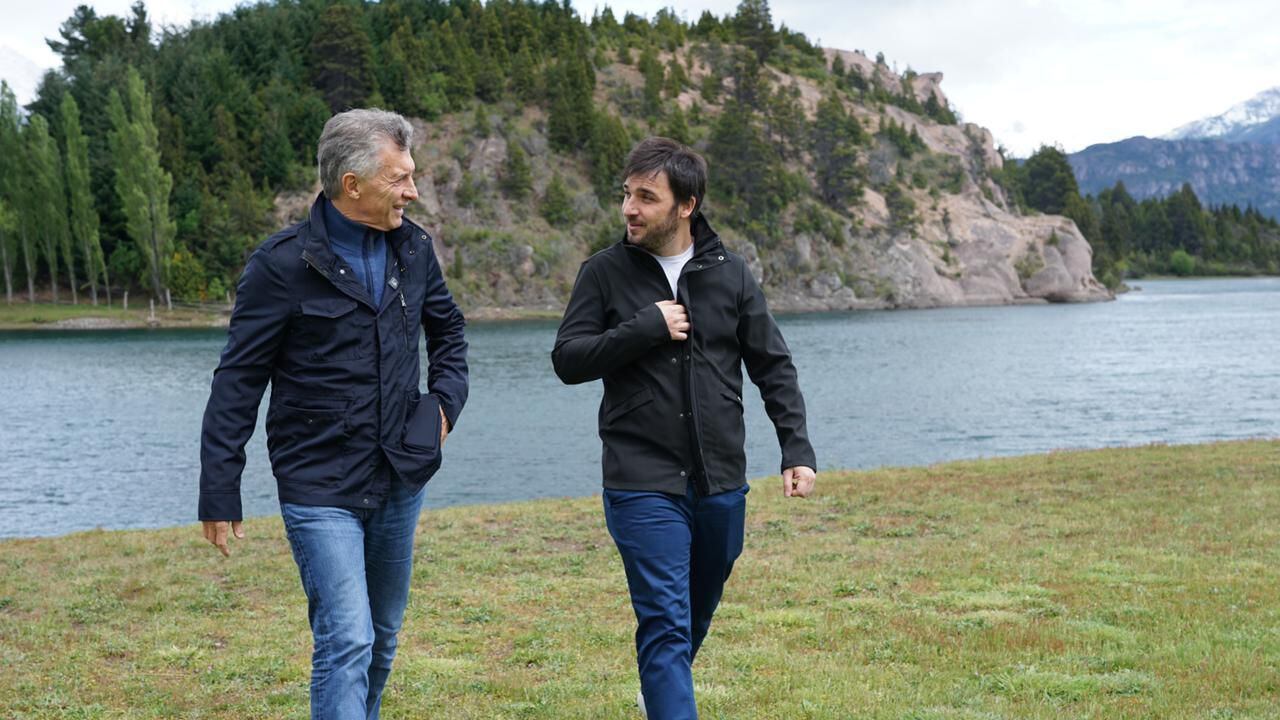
x=328, y=312
x=667, y=317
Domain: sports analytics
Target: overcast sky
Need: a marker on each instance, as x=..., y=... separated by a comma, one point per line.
x=1035, y=72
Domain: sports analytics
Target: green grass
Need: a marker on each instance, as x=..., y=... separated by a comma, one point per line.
x=1134, y=583
x=25, y=316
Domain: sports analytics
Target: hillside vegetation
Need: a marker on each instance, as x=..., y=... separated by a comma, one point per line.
x=845, y=183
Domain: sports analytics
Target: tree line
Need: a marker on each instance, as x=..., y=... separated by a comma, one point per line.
x=155, y=158
x=1175, y=235
x=152, y=160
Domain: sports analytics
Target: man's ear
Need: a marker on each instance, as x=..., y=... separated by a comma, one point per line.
x=687, y=207
x=351, y=186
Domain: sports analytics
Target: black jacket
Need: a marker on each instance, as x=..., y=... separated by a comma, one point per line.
x=345, y=406
x=673, y=410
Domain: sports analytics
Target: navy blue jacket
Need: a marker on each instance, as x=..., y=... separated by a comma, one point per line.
x=345, y=404
x=672, y=411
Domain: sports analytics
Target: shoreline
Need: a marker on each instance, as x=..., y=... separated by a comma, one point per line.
x=49, y=317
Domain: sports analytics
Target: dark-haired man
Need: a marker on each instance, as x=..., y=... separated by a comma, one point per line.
x=667, y=317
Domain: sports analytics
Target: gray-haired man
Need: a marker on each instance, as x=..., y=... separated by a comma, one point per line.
x=328, y=311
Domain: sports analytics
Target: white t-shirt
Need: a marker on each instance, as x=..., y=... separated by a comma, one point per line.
x=672, y=265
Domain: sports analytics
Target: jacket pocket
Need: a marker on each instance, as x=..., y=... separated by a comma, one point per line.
x=422, y=425
x=326, y=307
x=418, y=455
x=330, y=330
x=631, y=403
x=307, y=440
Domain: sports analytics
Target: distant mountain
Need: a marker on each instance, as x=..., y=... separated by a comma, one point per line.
x=1232, y=158
x=1254, y=120
x=1221, y=172
x=21, y=73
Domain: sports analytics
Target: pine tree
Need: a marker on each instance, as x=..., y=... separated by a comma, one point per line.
x=142, y=185
x=607, y=150
x=84, y=217
x=754, y=25
x=523, y=77
x=1048, y=180
x=557, y=205
x=517, y=179
x=677, y=126
x=835, y=133
x=652, y=71
x=342, y=58
x=677, y=78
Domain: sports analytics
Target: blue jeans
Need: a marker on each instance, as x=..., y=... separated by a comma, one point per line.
x=355, y=567
x=678, y=552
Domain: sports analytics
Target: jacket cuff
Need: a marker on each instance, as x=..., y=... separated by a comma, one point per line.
x=805, y=459
x=220, y=506
x=653, y=323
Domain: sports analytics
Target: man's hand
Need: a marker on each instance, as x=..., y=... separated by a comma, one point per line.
x=444, y=427
x=215, y=531
x=798, y=481
x=677, y=319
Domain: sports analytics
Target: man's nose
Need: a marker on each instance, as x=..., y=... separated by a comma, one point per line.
x=411, y=192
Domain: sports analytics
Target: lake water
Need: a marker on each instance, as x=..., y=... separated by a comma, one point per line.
x=101, y=429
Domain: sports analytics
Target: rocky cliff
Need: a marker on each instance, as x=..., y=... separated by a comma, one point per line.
x=947, y=237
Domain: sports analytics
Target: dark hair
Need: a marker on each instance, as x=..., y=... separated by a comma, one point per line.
x=686, y=170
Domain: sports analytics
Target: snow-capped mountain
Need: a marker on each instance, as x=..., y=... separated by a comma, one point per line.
x=21, y=73
x=1239, y=124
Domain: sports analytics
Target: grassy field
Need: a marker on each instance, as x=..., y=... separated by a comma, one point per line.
x=1135, y=583
x=46, y=316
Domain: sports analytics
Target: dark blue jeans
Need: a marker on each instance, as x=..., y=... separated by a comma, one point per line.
x=355, y=567
x=678, y=552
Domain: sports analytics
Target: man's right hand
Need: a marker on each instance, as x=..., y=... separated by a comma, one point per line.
x=215, y=531
x=677, y=319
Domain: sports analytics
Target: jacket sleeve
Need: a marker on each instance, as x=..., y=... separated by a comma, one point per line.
x=258, y=324
x=769, y=365
x=585, y=349
x=447, y=374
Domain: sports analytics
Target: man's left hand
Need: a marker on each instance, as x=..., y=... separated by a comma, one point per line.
x=444, y=427
x=798, y=481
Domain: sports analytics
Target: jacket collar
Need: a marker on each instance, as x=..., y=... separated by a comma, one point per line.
x=705, y=240
x=316, y=247
x=316, y=251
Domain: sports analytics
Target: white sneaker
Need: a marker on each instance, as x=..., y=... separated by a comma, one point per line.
x=640, y=702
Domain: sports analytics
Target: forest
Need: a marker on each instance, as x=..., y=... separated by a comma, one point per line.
x=153, y=161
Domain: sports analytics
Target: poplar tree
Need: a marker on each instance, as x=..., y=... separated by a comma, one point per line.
x=10, y=151
x=45, y=204
x=8, y=221
x=142, y=185
x=84, y=218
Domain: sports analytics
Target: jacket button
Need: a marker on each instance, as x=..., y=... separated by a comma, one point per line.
x=682, y=473
x=674, y=361
x=686, y=358
x=365, y=501
x=342, y=271
x=720, y=258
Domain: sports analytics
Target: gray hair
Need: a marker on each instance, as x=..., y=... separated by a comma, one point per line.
x=351, y=142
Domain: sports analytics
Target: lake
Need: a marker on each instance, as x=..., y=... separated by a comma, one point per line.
x=102, y=429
